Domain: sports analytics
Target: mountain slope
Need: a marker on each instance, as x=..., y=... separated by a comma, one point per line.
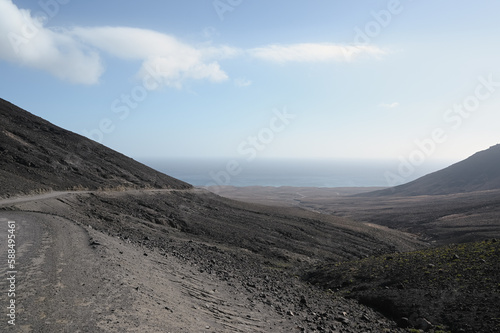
x=455, y=285
x=255, y=252
x=37, y=156
x=480, y=172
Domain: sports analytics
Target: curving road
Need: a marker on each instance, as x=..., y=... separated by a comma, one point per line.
x=74, y=279
x=71, y=278
x=57, y=279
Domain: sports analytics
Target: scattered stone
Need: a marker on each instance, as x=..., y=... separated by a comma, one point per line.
x=93, y=242
x=342, y=319
x=404, y=322
x=290, y=313
x=423, y=324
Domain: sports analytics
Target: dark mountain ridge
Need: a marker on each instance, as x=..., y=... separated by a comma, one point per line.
x=261, y=251
x=479, y=172
x=37, y=156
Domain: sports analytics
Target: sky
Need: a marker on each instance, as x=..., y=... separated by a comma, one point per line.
x=414, y=80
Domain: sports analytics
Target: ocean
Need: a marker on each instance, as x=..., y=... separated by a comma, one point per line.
x=288, y=172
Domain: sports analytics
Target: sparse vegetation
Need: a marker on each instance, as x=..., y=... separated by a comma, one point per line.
x=457, y=286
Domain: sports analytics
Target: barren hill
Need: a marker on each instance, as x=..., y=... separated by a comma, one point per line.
x=480, y=172
x=37, y=156
x=160, y=255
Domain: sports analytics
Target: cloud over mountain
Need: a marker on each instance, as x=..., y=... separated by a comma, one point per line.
x=26, y=41
x=172, y=60
x=76, y=54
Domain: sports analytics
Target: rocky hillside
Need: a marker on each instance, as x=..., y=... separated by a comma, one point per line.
x=453, y=288
x=480, y=172
x=37, y=156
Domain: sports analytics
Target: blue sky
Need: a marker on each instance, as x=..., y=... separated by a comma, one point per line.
x=414, y=80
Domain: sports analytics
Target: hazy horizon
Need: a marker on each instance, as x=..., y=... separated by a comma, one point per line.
x=290, y=172
x=393, y=79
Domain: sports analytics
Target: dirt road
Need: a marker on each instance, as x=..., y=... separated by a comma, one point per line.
x=55, y=194
x=60, y=281
x=70, y=277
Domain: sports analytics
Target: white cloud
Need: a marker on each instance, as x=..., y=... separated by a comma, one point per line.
x=75, y=54
x=172, y=61
x=389, y=105
x=25, y=40
x=313, y=52
x=242, y=82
